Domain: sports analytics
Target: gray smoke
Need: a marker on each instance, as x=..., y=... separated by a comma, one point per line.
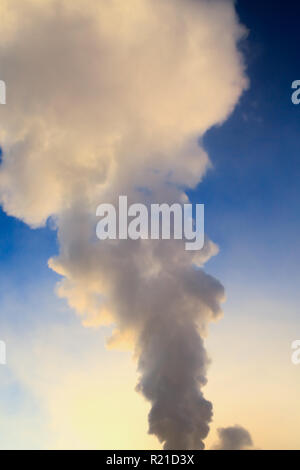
x=173, y=360
x=108, y=98
x=234, y=438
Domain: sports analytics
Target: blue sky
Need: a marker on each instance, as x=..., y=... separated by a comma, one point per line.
x=252, y=192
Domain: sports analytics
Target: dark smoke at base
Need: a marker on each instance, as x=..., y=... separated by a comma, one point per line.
x=173, y=364
x=180, y=415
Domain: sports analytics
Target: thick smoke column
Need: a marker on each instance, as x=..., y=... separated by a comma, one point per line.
x=107, y=98
x=173, y=365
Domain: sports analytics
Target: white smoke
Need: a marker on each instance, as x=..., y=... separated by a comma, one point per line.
x=107, y=98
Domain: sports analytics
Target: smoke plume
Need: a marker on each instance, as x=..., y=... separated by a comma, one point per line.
x=233, y=438
x=112, y=97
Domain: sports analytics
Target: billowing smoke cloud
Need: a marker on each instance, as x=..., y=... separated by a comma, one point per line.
x=233, y=438
x=106, y=98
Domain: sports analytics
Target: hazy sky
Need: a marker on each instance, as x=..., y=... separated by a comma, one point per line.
x=62, y=387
